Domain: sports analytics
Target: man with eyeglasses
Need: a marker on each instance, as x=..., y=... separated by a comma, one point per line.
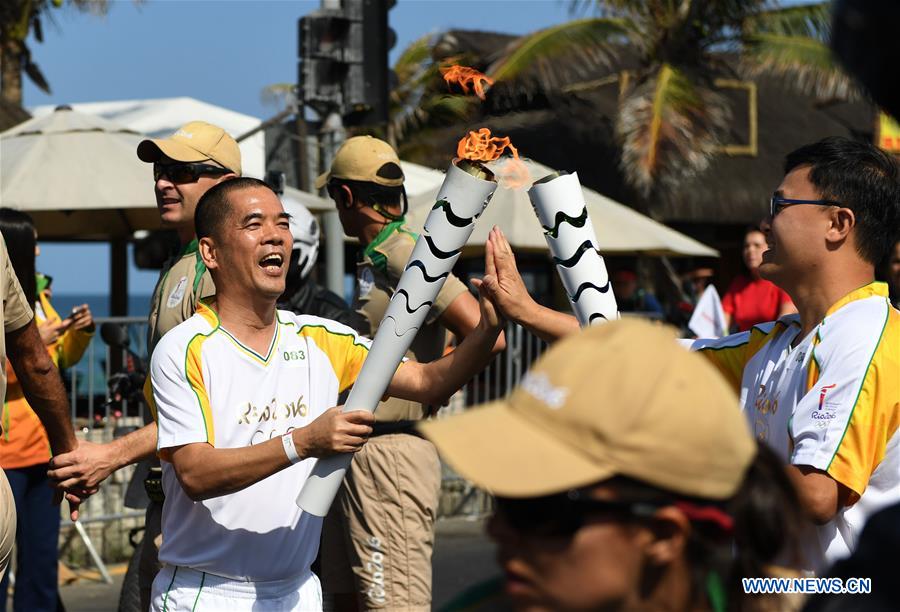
x=821, y=387
x=186, y=165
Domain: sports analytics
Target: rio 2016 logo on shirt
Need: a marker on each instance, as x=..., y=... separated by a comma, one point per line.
x=294, y=355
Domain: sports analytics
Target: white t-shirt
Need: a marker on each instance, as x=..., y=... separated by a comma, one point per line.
x=208, y=387
x=831, y=402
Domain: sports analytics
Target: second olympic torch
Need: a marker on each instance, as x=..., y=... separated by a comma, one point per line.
x=559, y=203
x=466, y=191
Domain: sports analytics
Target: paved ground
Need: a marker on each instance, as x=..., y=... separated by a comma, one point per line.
x=462, y=557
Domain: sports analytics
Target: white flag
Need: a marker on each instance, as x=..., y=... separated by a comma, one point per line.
x=708, y=320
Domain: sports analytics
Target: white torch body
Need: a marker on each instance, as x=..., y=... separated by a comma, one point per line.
x=562, y=212
x=460, y=201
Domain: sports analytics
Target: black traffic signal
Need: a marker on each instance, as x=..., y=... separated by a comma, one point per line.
x=344, y=60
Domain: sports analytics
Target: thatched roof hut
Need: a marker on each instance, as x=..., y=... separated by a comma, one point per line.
x=574, y=131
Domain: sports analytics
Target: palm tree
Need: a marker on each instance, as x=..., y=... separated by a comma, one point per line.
x=17, y=19
x=665, y=55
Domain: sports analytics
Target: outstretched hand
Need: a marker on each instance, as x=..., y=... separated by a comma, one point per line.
x=502, y=284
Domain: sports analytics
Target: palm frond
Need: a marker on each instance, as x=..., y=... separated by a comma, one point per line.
x=813, y=20
x=439, y=109
x=806, y=63
x=414, y=58
x=588, y=42
x=668, y=127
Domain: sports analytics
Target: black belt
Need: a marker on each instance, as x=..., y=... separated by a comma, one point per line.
x=384, y=428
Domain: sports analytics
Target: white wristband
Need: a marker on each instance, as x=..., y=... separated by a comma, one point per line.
x=290, y=449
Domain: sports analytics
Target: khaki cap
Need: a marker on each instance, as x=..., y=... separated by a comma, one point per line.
x=622, y=398
x=193, y=142
x=362, y=158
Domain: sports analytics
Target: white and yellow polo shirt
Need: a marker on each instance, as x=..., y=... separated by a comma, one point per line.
x=831, y=401
x=210, y=388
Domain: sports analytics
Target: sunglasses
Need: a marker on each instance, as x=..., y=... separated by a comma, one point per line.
x=564, y=514
x=777, y=203
x=185, y=172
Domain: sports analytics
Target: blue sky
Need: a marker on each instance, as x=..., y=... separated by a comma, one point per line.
x=220, y=51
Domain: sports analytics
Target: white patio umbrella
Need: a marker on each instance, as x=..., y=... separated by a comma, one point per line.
x=620, y=230
x=78, y=175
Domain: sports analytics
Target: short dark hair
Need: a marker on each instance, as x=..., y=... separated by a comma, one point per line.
x=863, y=178
x=215, y=205
x=17, y=228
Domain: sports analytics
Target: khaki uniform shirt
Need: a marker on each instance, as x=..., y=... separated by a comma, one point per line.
x=378, y=274
x=14, y=310
x=184, y=282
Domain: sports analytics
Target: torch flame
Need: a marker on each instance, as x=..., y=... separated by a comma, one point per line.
x=481, y=146
x=466, y=77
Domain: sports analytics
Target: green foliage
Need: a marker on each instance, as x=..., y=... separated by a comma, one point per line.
x=670, y=114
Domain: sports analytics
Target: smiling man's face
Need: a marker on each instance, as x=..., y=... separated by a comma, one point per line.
x=796, y=235
x=253, y=245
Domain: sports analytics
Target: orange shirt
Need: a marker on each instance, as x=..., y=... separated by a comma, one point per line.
x=23, y=440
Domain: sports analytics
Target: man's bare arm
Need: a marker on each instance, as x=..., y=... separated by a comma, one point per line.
x=461, y=318
x=42, y=385
x=434, y=382
x=90, y=464
x=205, y=471
x=821, y=496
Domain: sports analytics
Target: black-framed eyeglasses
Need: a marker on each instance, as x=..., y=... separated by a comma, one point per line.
x=777, y=203
x=564, y=514
x=185, y=172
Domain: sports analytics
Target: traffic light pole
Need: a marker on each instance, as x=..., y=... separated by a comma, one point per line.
x=332, y=136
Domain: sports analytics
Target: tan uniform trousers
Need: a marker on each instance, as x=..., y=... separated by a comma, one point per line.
x=378, y=537
x=7, y=523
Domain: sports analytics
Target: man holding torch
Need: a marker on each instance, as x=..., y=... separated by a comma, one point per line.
x=379, y=534
x=242, y=393
x=821, y=387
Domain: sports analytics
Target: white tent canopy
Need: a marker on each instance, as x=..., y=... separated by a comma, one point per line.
x=78, y=175
x=161, y=117
x=619, y=229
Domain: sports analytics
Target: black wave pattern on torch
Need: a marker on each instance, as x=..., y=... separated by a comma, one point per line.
x=406, y=304
x=585, y=246
x=562, y=217
x=416, y=263
x=589, y=285
x=452, y=218
x=436, y=251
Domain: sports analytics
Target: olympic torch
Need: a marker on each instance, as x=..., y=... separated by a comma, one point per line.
x=466, y=191
x=559, y=203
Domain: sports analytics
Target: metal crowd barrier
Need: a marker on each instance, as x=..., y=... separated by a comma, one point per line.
x=87, y=380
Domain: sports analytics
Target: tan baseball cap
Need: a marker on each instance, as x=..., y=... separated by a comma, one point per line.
x=193, y=142
x=622, y=398
x=364, y=158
